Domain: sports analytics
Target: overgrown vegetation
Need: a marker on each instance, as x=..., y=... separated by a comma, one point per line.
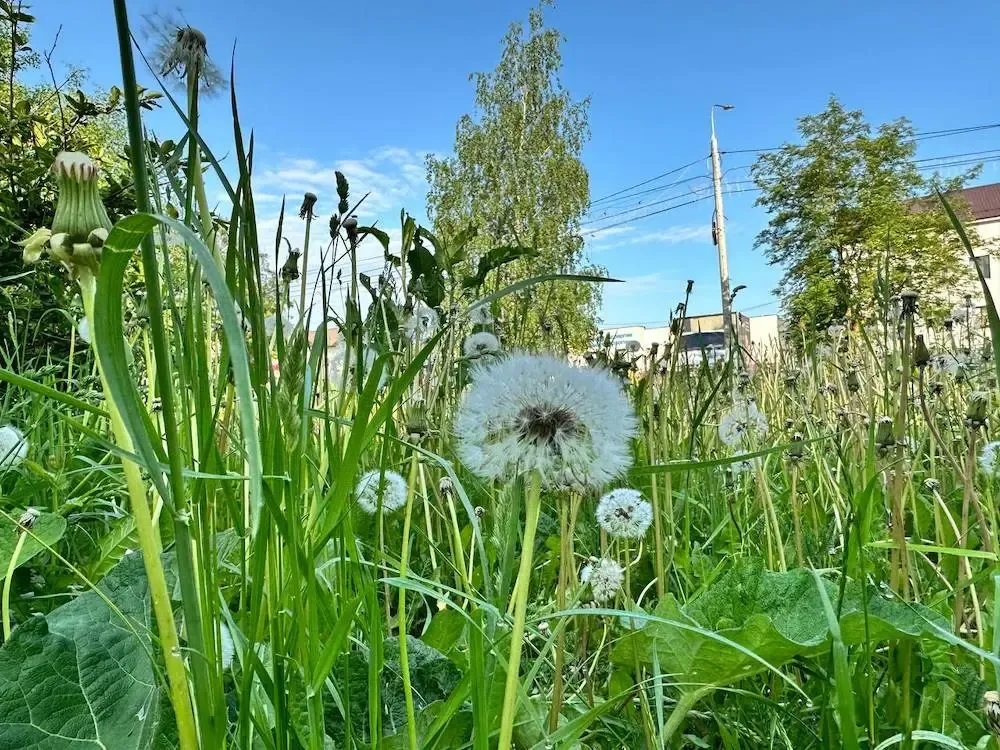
x=215, y=533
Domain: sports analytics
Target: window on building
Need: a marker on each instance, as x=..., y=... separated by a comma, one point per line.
x=983, y=263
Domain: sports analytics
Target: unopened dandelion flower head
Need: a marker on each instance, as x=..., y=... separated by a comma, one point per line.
x=989, y=456
x=533, y=412
x=624, y=513
x=481, y=344
x=13, y=447
x=28, y=518
x=605, y=578
x=422, y=323
x=388, y=484
x=741, y=423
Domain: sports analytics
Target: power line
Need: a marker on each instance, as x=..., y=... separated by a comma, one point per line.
x=662, y=211
x=645, y=182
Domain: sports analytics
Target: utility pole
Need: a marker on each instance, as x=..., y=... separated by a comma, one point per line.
x=719, y=235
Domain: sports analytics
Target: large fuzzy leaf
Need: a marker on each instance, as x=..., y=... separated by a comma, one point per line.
x=777, y=616
x=81, y=678
x=46, y=531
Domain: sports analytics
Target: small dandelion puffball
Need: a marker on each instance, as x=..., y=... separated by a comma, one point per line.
x=227, y=649
x=605, y=578
x=989, y=457
x=741, y=423
x=480, y=344
x=624, y=513
x=422, y=323
x=335, y=365
x=13, y=447
x=530, y=412
x=481, y=316
x=389, y=485
x=83, y=330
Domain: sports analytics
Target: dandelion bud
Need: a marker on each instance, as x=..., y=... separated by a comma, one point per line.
x=290, y=271
x=921, y=354
x=79, y=213
x=308, y=203
x=853, y=380
x=653, y=349
x=351, y=227
x=342, y=192
x=991, y=712
x=797, y=449
x=931, y=484
x=976, y=409
x=445, y=486
x=791, y=380
x=884, y=438
x=480, y=511
x=909, y=299
x=28, y=518
x=417, y=423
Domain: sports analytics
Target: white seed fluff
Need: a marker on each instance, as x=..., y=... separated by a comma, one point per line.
x=227, y=649
x=989, y=457
x=13, y=447
x=422, y=323
x=83, y=330
x=741, y=423
x=480, y=344
x=480, y=316
x=530, y=412
x=624, y=513
x=605, y=578
x=391, y=486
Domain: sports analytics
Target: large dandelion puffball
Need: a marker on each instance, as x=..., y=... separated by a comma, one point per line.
x=624, y=513
x=13, y=447
x=388, y=485
x=421, y=324
x=530, y=412
x=741, y=424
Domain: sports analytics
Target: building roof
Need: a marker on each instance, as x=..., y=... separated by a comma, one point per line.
x=983, y=200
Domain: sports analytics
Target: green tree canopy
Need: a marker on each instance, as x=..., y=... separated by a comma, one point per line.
x=843, y=206
x=517, y=177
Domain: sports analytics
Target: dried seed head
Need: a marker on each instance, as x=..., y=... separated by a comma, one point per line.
x=991, y=712
x=308, y=204
x=977, y=408
x=853, y=380
x=445, y=486
x=290, y=270
x=28, y=518
x=883, y=433
x=909, y=300
x=931, y=484
x=921, y=354
x=350, y=225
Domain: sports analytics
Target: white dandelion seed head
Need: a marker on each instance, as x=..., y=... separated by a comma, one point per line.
x=227, y=649
x=624, y=513
x=743, y=422
x=605, y=578
x=530, y=412
x=989, y=456
x=335, y=365
x=421, y=324
x=389, y=485
x=836, y=330
x=13, y=447
x=482, y=344
x=83, y=330
x=480, y=316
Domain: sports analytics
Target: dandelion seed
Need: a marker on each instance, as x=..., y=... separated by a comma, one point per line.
x=741, y=423
x=989, y=456
x=421, y=324
x=624, y=513
x=182, y=51
x=481, y=344
x=537, y=413
x=13, y=447
x=388, y=485
x=605, y=578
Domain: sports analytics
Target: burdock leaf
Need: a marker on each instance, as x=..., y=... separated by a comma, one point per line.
x=82, y=677
x=46, y=531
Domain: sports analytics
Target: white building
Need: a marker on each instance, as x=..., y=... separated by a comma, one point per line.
x=760, y=333
x=983, y=204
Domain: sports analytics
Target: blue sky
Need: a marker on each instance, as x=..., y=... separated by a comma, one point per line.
x=369, y=88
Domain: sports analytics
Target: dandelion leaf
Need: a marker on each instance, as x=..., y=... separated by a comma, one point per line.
x=47, y=530
x=80, y=678
x=777, y=616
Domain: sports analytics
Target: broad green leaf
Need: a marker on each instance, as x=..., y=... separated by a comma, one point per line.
x=777, y=616
x=81, y=678
x=48, y=529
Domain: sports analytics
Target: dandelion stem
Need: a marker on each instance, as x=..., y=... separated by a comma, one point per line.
x=404, y=556
x=533, y=504
x=11, y=567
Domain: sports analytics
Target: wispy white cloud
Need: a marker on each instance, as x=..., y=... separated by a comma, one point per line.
x=626, y=235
